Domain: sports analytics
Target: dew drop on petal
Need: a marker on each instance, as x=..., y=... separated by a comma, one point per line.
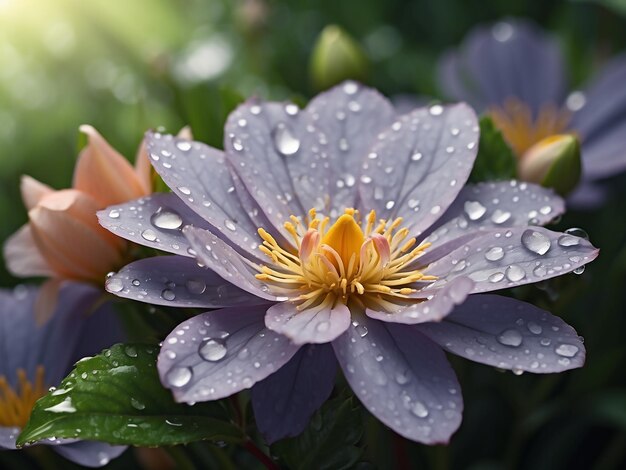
x=212, y=350
x=114, y=285
x=567, y=241
x=536, y=242
x=496, y=277
x=286, y=143
x=166, y=219
x=515, y=273
x=436, y=110
x=195, y=286
x=577, y=232
x=494, y=254
x=419, y=410
x=149, y=235
x=474, y=209
x=534, y=328
x=566, y=350
x=510, y=337
x=500, y=216
x=168, y=294
x=179, y=376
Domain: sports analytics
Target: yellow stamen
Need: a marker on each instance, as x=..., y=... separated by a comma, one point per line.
x=16, y=404
x=521, y=130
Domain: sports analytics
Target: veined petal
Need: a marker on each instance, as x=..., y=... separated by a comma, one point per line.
x=284, y=402
x=104, y=173
x=313, y=325
x=219, y=353
x=402, y=378
x=22, y=256
x=417, y=166
x=512, y=257
x=176, y=281
x=508, y=334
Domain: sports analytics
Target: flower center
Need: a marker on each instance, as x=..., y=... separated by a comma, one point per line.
x=522, y=130
x=16, y=405
x=344, y=262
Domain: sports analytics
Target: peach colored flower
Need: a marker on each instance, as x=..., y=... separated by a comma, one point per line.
x=63, y=240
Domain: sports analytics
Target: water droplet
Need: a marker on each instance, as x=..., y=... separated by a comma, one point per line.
x=114, y=285
x=130, y=351
x=417, y=156
x=436, y=110
x=500, y=216
x=534, y=328
x=114, y=214
x=576, y=101
x=291, y=109
x=419, y=410
x=149, y=235
x=577, y=232
x=361, y=330
x=179, y=376
x=579, y=270
x=195, y=286
x=185, y=190
x=166, y=219
x=474, y=210
x=496, y=277
x=502, y=31
x=286, y=143
x=566, y=350
x=212, y=350
x=510, y=337
x=168, y=294
x=536, y=242
x=137, y=404
x=350, y=88
x=494, y=254
x=230, y=225
x=567, y=241
x=184, y=146
x=515, y=273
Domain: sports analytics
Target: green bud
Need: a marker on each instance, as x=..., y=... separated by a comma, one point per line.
x=553, y=162
x=336, y=57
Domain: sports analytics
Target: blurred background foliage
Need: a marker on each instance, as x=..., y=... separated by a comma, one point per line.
x=125, y=67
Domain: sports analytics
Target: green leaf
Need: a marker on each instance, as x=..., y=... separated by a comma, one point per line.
x=329, y=442
x=495, y=160
x=116, y=397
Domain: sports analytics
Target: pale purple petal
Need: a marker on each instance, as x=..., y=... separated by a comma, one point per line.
x=201, y=177
x=219, y=353
x=600, y=120
x=155, y=221
x=343, y=124
x=485, y=206
x=311, y=325
x=588, y=196
x=437, y=303
x=90, y=453
x=418, y=166
x=508, y=334
x=512, y=58
x=284, y=402
x=511, y=257
x=176, y=281
x=8, y=436
x=402, y=378
x=216, y=255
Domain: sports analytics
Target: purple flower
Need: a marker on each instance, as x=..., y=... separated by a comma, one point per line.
x=516, y=71
x=34, y=357
x=343, y=234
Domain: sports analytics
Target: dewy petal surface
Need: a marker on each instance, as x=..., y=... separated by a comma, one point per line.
x=215, y=254
x=284, y=402
x=312, y=325
x=219, y=353
x=402, y=378
x=508, y=334
x=511, y=257
x=90, y=453
x=176, y=281
x=201, y=177
x=438, y=302
x=155, y=221
x=417, y=166
x=512, y=58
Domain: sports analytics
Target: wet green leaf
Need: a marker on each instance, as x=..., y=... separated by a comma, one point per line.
x=116, y=397
x=495, y=160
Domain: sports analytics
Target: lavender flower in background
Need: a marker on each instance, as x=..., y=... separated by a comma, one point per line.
x=33, y=357
x=516, y=72
x=344, y=231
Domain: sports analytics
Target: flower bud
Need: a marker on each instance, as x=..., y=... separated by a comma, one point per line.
x=336, y=57
x=553, y=162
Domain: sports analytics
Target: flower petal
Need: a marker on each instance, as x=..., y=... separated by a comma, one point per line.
x=418, y=165
x=8, y=436
x=512, y=58
x=511, y=257
x=284, y=402
x=102, y=172
x=201, y=177
x=508, y=334
x=311, y=325
x=22, y=256
x=47, y=300
x=176, y=281
x=402, y=378
x=90, y=453
x=219, y=353
x=601, y=123
x=33, y=191
x=437, y=304
x=155, y=221
x=216, y=255
x=485, y=206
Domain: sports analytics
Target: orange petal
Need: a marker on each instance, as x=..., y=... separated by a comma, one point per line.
x=32, y=191
x=22, y=256
x=104, y=173
x=47, y=299
x=66, y=231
